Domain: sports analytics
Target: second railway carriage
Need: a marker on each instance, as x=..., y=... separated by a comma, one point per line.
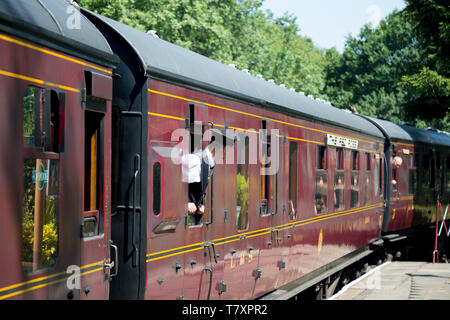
x=413, y=188
x=259, y=232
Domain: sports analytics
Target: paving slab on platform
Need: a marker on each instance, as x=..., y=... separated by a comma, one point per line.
x=400, y=281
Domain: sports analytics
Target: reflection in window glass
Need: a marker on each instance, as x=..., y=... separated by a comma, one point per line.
x=354, y=194
x=242, y=179
x=321, y=193
x=31, y=117
x=367, y=189
x=293, y=163
x=39, y=218
x=339, y=188
x=375, y=178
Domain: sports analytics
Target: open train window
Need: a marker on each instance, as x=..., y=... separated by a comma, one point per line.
x=321, y=157
x=42, y=142
x=368, y=162
x=355, y=160
x=268, y=181
x=339, y=159
x=93, y=173
x=293, y=178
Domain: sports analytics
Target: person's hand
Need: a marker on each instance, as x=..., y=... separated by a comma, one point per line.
x=191, y=208
x=201, y=209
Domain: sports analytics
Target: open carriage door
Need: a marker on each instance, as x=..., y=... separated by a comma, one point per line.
x=95, y=259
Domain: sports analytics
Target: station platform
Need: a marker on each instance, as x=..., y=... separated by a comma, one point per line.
x=400, y=281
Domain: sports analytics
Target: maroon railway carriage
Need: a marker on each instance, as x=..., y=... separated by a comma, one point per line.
x=413, y=188
x=55, y=97
x=259, y=232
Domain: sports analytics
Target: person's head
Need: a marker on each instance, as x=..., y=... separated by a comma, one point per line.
x=396, y=162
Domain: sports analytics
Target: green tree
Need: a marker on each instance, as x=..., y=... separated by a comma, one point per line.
x=229, y=31
x=367, y=75
x=429, y=85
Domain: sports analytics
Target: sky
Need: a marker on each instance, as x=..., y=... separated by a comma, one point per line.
x=328, y=22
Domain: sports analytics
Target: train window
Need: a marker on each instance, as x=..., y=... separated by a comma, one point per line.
x=268, y=181
x=412, y=181
x=339, y=158
x=93, y=159
x=41, y=119
x=156, y=188
x=368, y=162
x=41, y=136
x=375, y=177
x=321, y=194
x=339, y=191
x=355, y=160
x=411, y=162
x=31, y=117
x=380, y=177
x=354, y=194
x=242, y=197
x=321, y=157
x=447, y=175
x=367, y=189
x=293, y=168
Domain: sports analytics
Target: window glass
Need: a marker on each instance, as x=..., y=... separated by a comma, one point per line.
x=93, y=160
x=293, y=167
x=268, y=182
x=354, y=194
x=355, y=160
x=321, y=193
x=339, y=188
x=340, y=159
x=367, y=189
x=242, y=196
x=368, y=163
x=41, y=180
x=412, y=181
x=321, y=157
x=375, y=178
x=156, y=188
x=32, y=117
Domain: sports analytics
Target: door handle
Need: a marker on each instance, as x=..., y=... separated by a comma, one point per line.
x=113, y=264
x=137, y=165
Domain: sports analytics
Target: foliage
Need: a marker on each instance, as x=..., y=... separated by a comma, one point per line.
x=366, y=75
x=429, y=85
x=399, y=70
x=229, y=31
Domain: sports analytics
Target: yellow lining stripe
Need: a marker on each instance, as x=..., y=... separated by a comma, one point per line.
x=52, y=53
x=246, y=113
x=165, y=116
x=44, y=278
x=38, y=81
x=262, y=231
